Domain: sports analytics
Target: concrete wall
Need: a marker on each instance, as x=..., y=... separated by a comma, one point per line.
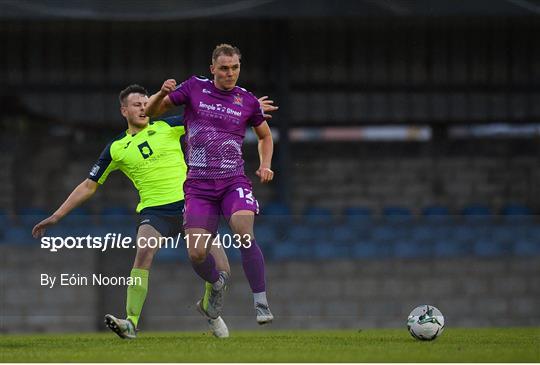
x=333, y=294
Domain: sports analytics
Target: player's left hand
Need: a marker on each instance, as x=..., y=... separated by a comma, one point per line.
x=265, y=173
x=267, y=106
x=39, y=229
x=168, y=86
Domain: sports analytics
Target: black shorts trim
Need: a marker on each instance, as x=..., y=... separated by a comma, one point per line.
x=166, y=219
x=166, y=209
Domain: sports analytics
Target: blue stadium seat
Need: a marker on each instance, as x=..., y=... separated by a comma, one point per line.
x=517, y=214
x=116, y=210
x=396, y=211
x=371, y=249
x=526, y=247
x=63, y=230
x=276, y=209
x=476, y=213
x=465, y=233
x=514, y=209
x=29, y=217
x=447, y=247
x=358, y=211
x=301, y=234
x=95, y=230
x=435, y=210
x=405, y=248
x=330, y=250
x=424, y=232
x=266, y=232
x=170, y=254
x=290, y=250
x=362, y=232
x=322, y=234
x=78, y=217
x=234, y=254
x=533, y=232
x=277, y=213
x=344, y=233
x=118, y=219
x=318, y=216
x=505, y=232
x=384, y=232
x=116, y=213
x=4, y=219
x=5, y=223
x=19, y=235
x=444, y=229
x=358, y=216
x=476, y=210
x=436, y=213
x=395, y=214
x=488, y=247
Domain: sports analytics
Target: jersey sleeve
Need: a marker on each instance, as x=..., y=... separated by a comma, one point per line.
x=176, y=124
x=257, y=117
x=180, y=95
x=174, y=121
x=103, y=167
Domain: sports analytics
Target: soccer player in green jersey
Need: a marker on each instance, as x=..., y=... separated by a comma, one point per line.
x=150, y=155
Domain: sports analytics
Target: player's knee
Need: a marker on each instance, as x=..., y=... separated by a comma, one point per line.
x=197, y=256
x=245, y=233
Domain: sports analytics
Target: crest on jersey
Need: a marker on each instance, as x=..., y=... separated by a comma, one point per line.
x=238, y=100
x=145, y=149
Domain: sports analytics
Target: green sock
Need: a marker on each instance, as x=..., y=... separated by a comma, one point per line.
x=207, y=291
x=136, y=294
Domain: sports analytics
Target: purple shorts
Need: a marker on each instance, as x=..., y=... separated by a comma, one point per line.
x=206, y=200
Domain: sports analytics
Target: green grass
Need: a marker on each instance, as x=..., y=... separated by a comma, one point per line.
x=454, y=345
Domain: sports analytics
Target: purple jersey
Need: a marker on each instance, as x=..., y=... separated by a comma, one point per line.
x=216, y=123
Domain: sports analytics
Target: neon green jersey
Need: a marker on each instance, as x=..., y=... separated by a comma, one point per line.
x=152, y=159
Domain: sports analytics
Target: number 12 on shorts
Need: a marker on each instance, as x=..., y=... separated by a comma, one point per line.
x=247, y=194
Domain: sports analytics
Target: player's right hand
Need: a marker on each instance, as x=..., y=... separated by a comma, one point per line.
x=267, y=106
x=168, y=86
x=265, y=173
x=39, y=229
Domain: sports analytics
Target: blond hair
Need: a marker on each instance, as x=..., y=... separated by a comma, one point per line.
x=225, y=49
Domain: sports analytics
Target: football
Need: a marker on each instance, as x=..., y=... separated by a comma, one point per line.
x=425, y=323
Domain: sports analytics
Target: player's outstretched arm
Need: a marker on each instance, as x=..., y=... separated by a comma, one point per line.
x=159, y=103
x=266, y=150
x=78, y=196
x=267, y=106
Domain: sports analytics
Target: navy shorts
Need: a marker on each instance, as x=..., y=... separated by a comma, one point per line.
x=166, y=219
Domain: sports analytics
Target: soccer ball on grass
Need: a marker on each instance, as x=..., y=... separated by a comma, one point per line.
x=425, y=323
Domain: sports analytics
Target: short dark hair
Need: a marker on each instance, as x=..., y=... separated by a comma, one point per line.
x=227, y=50
x=131, y=89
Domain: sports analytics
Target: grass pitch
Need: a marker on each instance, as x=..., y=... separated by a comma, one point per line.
x=454, y=345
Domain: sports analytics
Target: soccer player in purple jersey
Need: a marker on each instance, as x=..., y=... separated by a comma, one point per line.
x=216, y=114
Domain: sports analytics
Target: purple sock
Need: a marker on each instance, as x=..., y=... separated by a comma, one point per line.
x=207, y=269
x=253, y=264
